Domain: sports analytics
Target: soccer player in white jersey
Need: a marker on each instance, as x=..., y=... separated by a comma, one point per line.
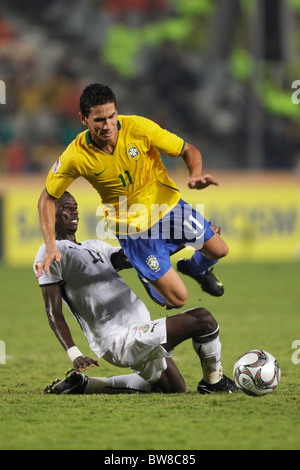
x=116, y=323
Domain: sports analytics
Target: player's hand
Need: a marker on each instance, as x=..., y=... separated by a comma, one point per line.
x=84, y=363
x=202, y=182
x=216, y=229
x=49, y=258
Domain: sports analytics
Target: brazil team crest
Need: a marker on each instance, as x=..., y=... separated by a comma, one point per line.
x=133, y=151
x=153, y=263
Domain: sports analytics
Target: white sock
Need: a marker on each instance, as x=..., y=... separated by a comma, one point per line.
x=208, y=348
x=130, y=383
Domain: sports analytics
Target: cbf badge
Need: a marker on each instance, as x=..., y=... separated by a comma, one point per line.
x=153, y=263
x=133, y=151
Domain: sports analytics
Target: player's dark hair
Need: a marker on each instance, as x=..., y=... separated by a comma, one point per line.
x=94, y=95
x=66, y=193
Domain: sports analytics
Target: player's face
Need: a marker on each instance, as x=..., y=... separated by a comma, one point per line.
x=102, y=123
x=67, y=214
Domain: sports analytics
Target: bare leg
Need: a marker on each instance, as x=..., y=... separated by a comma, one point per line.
x=171, y=288
x=171, y=380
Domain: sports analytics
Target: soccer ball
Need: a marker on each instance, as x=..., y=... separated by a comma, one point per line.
x=256, y=372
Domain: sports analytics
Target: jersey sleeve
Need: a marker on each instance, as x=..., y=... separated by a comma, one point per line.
x=163, y=140
x=107, y=250
x=55, y=276
x=62, y=173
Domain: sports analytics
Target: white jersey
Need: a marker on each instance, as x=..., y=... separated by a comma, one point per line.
x=93, y=291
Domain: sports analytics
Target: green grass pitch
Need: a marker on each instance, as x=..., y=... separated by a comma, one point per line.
x=260, y=309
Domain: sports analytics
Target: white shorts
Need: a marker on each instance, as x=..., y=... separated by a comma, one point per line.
x=140, y=348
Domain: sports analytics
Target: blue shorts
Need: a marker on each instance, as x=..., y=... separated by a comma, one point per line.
x=149, y=252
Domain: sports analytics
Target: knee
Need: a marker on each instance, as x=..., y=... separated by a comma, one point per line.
x=176, y=302
x=221, y=251
x=204, y=319
x=179, y=388
x=215, y=251
x=174, y=388
x=178, y=299
x=172, y=289
x=224, y=251
x=176, y=385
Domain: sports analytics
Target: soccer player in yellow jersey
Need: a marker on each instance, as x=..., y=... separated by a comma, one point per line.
x=120, y=156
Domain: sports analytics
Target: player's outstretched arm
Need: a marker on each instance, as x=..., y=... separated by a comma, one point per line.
x=53, y=304
x=193, y=161
x=46, y=208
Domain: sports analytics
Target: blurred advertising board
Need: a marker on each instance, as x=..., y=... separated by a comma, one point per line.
x=259, y=218
x=22, y=235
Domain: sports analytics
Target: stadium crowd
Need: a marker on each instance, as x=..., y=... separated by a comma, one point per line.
x=50, y=50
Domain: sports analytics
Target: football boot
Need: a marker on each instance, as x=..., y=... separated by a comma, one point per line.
x=73, y=383
x=225, y=385
x=208, y=281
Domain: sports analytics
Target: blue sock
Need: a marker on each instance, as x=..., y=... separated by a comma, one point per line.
x=198, y=264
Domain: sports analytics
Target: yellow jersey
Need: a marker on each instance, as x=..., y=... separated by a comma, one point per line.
x=133, y=183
